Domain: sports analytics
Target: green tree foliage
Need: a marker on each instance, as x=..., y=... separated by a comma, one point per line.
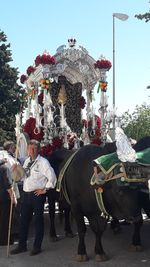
x=10, y=103
x=137, y=124
x=145, y=16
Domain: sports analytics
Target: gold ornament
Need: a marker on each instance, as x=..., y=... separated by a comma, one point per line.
x=62, y=96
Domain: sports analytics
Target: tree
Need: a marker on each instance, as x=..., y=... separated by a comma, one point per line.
x=10, y=102
x=145, y=16
x=137, y=124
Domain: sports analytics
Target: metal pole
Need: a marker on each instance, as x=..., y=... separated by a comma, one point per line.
x=113, y=131
x=122, y=17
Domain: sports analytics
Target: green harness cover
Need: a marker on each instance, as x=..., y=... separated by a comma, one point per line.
x=108, y=162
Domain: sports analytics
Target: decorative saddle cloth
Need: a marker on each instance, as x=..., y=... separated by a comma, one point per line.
x=110, y=162
x=128, y=172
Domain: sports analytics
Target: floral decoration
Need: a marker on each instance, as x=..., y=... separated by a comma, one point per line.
x=57, y=143
x=45, y=83
x=103, y=64
x=30, y=127
x=103, y=86
x=47, y=149
x=23, y=78
x=44, y=59
x=89, y=123
x=96, y=139
x=72, y=107
x=30, y=70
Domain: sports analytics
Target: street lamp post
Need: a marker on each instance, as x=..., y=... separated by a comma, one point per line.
x=122, y=17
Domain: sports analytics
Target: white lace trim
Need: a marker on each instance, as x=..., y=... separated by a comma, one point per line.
x=125, y=151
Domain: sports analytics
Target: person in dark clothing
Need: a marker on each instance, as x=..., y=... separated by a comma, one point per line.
x=9, y=149
x=6, y=195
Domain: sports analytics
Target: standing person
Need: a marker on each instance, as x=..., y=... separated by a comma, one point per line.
x=9, y=152
x=6, y=196
x=9, y=149
x=40, y=177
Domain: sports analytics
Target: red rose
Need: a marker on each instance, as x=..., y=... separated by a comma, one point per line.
x=44, y=59
x=23, y=78
x=30, y=69
x=103, y=64
x=38, y=60
x=96, y=141
x=30, y=129
x=57, y=143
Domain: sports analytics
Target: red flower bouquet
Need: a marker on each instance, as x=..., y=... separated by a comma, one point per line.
x=44, y=59
x=23, y=78
x=30, y=127
x=46, y=150
x=57, y=143
x=103, y=64
x=30, y=69
x=89, y=123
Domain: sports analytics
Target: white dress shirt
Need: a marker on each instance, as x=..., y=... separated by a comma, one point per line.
x=41, y=175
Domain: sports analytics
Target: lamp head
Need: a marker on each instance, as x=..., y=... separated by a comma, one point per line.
x=120, y=16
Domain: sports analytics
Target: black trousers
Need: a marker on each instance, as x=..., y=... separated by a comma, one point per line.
x=52, y=198
x=32, y=204
x=4, y=222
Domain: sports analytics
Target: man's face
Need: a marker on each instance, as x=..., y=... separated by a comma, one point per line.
x=33, y=151
x=12, y=149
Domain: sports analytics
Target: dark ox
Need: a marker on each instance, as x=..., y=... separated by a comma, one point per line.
x=121, y=202
x=144, y=200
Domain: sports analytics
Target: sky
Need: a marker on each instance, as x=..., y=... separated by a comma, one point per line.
x=34, y=26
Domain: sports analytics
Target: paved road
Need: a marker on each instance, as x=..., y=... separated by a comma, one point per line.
x=62, y=253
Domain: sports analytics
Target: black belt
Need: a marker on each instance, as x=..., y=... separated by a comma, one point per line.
x=28, y=192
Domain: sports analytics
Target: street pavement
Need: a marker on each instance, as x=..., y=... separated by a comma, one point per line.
x=63, y=252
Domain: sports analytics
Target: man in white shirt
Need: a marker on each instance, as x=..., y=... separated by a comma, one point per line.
x=39, y=177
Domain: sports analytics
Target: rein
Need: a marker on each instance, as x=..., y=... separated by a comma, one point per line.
x=59, y=186
x=123, y=176
x=109, y=177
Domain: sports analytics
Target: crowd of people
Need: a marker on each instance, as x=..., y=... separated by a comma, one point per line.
x=25, y=187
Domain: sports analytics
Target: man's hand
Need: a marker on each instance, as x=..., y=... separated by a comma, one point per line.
x=12, y=196
x=39, y=192
x=14, y=200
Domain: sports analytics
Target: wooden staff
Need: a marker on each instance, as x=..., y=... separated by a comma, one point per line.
x=18, y=173
x=14, y=180
x=10, y=215
x=10, y=221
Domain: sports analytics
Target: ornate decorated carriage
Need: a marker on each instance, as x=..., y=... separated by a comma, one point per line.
x=54, y=88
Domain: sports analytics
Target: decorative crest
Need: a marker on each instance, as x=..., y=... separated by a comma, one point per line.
x=72, y=42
